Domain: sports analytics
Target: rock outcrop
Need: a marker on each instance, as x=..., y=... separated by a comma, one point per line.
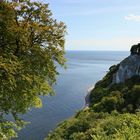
x=135, y=49
x=129, y=67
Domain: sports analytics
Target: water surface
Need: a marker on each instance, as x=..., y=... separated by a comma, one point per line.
x=84, y=68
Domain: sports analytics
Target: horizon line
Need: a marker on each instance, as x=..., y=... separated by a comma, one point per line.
x=102, y=50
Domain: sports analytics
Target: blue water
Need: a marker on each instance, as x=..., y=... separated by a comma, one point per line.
x=84, y=68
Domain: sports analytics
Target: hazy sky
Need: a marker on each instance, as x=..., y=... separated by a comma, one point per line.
x=99, y=24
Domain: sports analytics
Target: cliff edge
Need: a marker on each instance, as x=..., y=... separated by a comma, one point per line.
x=128, y=68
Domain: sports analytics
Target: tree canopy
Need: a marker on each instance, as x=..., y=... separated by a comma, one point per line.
x=31, y=47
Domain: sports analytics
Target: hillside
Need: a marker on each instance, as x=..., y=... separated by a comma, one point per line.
x=113, y=112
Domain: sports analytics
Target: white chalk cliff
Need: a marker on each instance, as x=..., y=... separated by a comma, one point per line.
x=128, y=68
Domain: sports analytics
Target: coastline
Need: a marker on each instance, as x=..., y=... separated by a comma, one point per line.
x=87, y=99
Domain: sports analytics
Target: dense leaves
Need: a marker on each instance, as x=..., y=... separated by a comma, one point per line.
x=89, y=125
x=123, y=97
x=31, y=46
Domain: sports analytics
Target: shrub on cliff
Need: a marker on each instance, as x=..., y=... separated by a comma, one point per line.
x=107, y=80
x=113, y=101
x=101, y=126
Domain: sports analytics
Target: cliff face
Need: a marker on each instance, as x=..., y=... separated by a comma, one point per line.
x=128, y=68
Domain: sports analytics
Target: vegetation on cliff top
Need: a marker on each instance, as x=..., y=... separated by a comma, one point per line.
x=113, y=113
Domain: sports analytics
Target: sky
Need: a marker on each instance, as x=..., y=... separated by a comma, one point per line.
x=99, y=24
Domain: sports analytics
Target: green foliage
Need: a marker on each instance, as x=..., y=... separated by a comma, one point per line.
x=121, y=127
x=106, y=81
x=123, y=97
x=31, y=46
x=6, y=128
x=114, y=101
x=101, y=126
x=97, y=94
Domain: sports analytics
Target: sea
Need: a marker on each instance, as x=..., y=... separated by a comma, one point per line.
x=84, y=69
